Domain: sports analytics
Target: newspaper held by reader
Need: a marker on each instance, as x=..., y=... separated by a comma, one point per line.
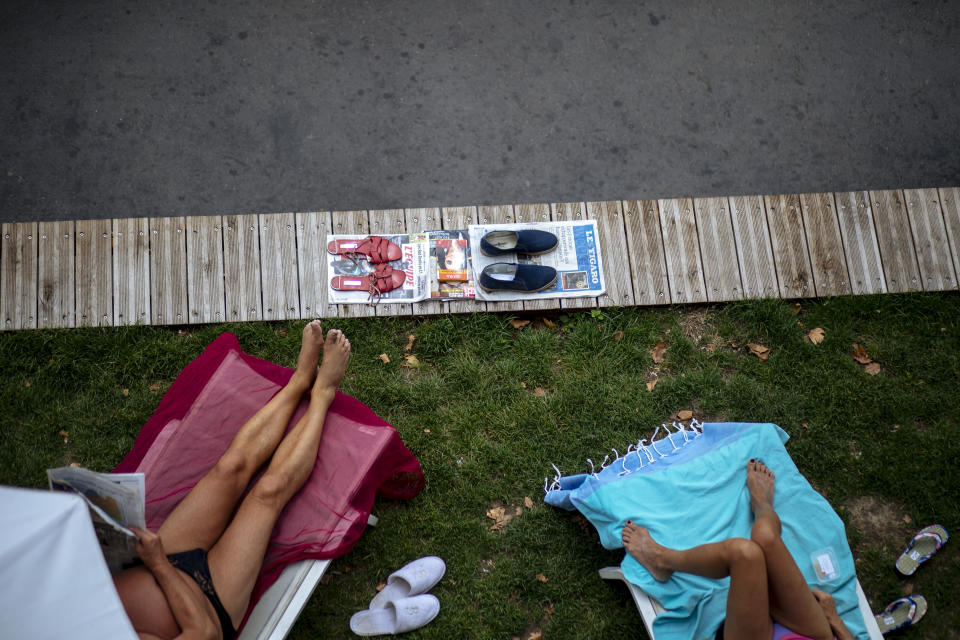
x=116, y=502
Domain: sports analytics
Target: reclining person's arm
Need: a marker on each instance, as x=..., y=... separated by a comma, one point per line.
x=187, y=607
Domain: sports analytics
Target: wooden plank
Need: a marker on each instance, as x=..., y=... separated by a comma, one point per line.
x=790, y=254
x=312, y=230
x=205, y=284
x=418, y=220
x=682, y=250
x=860, y=242
x=930, y=239
x=827, y=260
x=55, y=292
x=896, y=245
x=389, y=222
x=243, y=296
x=614, y=253
x=491, y=215
x=573, y=211
x=461, y=218
x=648, y=263
x=278, y=266
x=168, y=270
x=536, y=213
x=131, y=271
x=754, y=253
x=718, y=248
x=950, y=203
x=351, y=223
x=18, y=280
x=94, y=273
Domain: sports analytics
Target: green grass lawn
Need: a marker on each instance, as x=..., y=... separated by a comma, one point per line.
x=491, y=406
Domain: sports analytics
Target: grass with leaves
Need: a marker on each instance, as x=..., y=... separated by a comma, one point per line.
x=491, y=405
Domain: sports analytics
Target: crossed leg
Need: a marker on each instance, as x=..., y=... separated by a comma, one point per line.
x=202, y=516
x=765, y=583
x=235, y=559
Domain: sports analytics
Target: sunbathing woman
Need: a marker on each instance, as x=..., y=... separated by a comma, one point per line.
x=766, y=586
x=203, y=588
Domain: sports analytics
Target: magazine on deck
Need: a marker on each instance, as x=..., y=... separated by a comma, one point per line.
x=116, y=502
x=451, y=270
x=576, y=259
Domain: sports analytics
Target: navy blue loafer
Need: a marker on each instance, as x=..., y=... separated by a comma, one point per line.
x=531, y=242
x=520, y=278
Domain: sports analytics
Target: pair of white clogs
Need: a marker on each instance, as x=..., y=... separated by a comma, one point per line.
x=404, y=604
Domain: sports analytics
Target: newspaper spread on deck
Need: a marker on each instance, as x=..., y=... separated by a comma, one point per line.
x=576, y=259
x=116, y=501
x=414, y=262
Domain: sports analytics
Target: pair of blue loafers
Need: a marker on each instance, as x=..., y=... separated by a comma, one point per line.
x=517, y=278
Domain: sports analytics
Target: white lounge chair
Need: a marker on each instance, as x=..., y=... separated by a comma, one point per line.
x=650, y=608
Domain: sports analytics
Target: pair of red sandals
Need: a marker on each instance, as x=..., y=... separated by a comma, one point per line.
x=378, y=251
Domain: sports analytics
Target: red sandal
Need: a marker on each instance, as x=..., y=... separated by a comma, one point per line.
x=384, y=278
x=377, y=249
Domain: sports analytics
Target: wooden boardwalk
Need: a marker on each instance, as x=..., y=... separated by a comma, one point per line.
x=237, y=268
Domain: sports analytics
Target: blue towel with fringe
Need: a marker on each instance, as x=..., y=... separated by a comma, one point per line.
x=691, y=490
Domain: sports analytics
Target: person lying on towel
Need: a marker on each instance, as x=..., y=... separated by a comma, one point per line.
x=768, y=597
x=200, y=566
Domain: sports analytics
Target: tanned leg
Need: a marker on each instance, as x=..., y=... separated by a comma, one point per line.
x=203, y=515
x=738, y=558
x=792, y=603
x=236, y=558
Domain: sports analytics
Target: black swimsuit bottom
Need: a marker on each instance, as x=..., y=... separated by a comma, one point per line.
x=194, y=564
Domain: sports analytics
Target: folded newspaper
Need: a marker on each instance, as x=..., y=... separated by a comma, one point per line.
x=116, y=502
x=576, y=259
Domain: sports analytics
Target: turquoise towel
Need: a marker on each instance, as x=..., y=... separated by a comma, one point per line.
x=695, y=492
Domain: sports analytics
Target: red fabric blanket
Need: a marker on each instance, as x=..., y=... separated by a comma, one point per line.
x=360, y=455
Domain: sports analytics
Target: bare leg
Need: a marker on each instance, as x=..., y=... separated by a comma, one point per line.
x=792, y=603
x=747, y=602
x=236, y=558
x=202, y=516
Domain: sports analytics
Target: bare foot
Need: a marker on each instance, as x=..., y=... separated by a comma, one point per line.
x=760, y=484
x=310, y=347
x=336, y=355
x=639, y=544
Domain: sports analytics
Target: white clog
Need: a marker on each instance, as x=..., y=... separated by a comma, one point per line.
x=412, y=579
x=397, y=616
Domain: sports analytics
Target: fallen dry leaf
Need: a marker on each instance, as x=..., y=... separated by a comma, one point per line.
x=759, y=350
x=659, y=352
x=540, y=392
x=381, y=586
x=528, y=502
x=66, y=436
x=410, y=340
x=815, y=335
x=125, y=392
x=384, y=358
x=860, y=354
x=282, y=332
x=686, y=414
x=410, y=360
x=873, y=368
x=796, y=308
x=710, y=347
x=550, y=323
x=651, y=384
x=155, y=386
x=542, y=578
x=517, y=323
x=426, y=430
x=501, y=515
x=618, y=336
x=26, y=383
